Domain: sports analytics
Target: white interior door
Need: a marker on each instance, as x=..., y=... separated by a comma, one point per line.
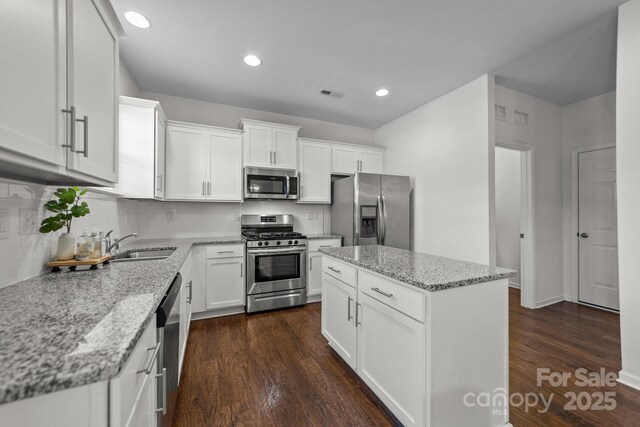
x=33, y=83
x=597, y=228
x=186, y=163
x=92, y=71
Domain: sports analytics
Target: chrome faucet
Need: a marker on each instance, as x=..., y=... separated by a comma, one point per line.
x=116, y=244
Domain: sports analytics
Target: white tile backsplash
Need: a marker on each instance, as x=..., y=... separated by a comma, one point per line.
x=24, y=251
x=222, y=219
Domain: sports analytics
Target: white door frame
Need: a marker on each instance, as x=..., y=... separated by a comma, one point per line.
x=527, y=220
x=575, y=273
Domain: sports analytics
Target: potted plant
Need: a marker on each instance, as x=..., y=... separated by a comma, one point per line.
x=66, y=207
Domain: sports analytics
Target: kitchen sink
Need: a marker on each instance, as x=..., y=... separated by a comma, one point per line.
x=145, y=255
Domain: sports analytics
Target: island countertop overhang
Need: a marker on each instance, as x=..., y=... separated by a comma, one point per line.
x=429, y=272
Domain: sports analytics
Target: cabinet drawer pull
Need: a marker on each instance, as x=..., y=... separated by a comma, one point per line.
x=190, y=291
x=208, y=188
x=147, y=370
x=382, y=292
x=163, y=410
x=204, y=188
x=349, y=316
x=357, y=312
x=325, y=246
x=225, y=252
x=310, y=264
x=335, y=270
x=242, y=269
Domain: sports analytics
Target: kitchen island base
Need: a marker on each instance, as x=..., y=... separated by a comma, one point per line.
x=434, y=358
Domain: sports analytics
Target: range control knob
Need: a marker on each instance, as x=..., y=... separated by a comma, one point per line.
x=290, y=242
x=259, y=243
x=295, y=242
x=266, y=243
x=279, y=242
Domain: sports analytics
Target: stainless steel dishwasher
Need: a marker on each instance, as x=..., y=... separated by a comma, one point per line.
x=168, y=324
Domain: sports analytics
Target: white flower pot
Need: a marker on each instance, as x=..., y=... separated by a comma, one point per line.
x=66, y=247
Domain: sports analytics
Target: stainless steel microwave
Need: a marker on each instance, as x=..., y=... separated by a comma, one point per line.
x=270, y=183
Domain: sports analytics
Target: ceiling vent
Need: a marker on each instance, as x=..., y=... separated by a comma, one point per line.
x=331, y=93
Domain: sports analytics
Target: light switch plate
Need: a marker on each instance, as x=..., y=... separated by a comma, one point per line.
x=171, y=215
x=4, y=224
x=29, y=221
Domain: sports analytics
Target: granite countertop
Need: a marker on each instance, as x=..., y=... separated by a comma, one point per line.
x=429, y=272
x=67, y=329
x=322, y=236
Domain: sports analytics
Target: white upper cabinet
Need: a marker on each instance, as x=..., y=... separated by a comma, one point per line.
x=33, y=83
x=225, y=167
x=203, y=163
x=186, y=163
x=270, y=145
x=142, y=144
x=93, y=72
x=59, y=103
x=349, y=159
x=315, y=171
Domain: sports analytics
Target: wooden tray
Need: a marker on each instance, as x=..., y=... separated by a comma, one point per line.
x=56, y=266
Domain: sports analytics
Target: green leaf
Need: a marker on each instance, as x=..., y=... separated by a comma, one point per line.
x=51, y=224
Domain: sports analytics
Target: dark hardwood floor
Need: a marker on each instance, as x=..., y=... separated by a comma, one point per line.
x=276, y=369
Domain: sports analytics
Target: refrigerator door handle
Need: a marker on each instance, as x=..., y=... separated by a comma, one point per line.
x=384, y=220
x=379, y=232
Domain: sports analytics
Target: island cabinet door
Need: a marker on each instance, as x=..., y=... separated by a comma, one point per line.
x=338, y=318
x=391, y=358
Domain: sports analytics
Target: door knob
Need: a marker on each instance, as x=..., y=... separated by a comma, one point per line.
x=584, y=235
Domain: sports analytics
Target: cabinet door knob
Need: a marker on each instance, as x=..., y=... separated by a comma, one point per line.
x=584, y=235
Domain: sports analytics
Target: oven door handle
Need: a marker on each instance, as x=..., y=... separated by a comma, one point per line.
x=276, y=251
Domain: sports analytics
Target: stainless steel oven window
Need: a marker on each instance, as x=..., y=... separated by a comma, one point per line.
x=269, y=268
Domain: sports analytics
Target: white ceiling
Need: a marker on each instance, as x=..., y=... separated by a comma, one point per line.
x=558, y=50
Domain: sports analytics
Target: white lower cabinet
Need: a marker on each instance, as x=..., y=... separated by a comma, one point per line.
x=225, y=283
x=420, y=352
x=185, y=309
x=390, y=353
x=338, y=318
x=132, y=394
x=314, y=265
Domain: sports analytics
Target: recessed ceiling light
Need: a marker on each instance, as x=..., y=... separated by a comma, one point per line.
x=136, y=19
x=252, y=60
x=382, y=92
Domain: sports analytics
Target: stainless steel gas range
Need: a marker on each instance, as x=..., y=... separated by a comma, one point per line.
x=276, y=262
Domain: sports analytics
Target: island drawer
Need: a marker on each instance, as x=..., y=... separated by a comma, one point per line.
x=316, y=245
x=403, y=299
x=340, y=270
x=225, y=251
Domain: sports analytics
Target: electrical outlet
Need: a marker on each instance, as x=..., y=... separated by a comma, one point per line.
x=4, y=224
x=310, y=216
x=28, y=221
x=171, y=215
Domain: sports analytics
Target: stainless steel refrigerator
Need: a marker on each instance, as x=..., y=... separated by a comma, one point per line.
x=371, y=209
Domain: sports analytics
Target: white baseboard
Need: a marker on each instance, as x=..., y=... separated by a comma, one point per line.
x=630, y=380
x=549, y=301
x=514, y=285
x=314, y=298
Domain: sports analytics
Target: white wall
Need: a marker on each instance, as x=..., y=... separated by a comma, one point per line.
x=508, y=216
x=544, y=134
x=209, y=113
x=628, y=176
x=23, y=250
x=446, y=147
x=588, y=123
x=127, y=85
x=223, y=219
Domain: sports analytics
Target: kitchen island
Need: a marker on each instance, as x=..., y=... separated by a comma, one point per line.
x=427, y=334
